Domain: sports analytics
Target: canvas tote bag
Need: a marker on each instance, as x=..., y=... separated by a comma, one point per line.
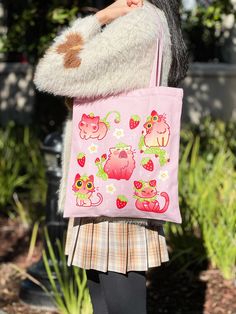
x=125, y=153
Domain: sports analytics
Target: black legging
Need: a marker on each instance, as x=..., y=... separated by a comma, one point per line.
x=117, y=293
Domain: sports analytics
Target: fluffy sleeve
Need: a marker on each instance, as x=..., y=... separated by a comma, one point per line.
x=86, y=60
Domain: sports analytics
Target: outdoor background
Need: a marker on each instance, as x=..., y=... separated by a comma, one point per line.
x=200, y=277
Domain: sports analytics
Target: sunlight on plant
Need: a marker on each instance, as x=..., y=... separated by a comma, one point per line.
x=217, y=211
x=36, y=17
x=71, y=296
x=208, y=206
x=20, y=210
x=33, y=240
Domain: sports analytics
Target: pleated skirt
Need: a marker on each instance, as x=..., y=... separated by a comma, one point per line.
x=114, y=246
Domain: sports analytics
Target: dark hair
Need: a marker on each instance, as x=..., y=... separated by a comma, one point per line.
x=179, y=65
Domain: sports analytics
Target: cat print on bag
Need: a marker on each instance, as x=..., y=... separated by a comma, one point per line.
x=145, y=193
x=83, y=187
x=155, y=136
x=157, y=130
x=119, y=164
x=92, y=126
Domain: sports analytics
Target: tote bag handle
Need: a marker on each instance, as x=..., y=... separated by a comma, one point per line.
x=157, y=64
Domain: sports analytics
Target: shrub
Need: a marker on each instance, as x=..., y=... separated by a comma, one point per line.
x=204, y=29
x=214, y=135
x=207, y=193
x=27, y=18
x=22, y=169
x=71, y=296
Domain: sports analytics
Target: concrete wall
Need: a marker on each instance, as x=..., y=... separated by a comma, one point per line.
x=210, y=89
x=16, y=92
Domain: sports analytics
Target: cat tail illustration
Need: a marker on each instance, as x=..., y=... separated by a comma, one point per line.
x=116, y=120
x=99, y=201
x=167, y=202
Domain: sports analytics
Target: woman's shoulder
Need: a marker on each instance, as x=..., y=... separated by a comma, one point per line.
x=156, y=16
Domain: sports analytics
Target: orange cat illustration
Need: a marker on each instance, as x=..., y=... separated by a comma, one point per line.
x=157, y=131
x=84, y=188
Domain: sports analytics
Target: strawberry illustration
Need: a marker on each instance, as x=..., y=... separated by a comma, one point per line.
x=97, y=160
x=138, y=184
x=104, y=157
x=121, y=201
x=152, y=183
x=81, y=159
x=134, y=121
x=147, y=164
x=154, y=113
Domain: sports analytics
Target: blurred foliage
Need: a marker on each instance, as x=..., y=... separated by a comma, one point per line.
x=214, y=134
x=22, y=180
x=207, y=196
x=32, y=24
x=71, y=295
x=204, y=27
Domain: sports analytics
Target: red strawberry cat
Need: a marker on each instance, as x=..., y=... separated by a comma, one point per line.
x=146, y=197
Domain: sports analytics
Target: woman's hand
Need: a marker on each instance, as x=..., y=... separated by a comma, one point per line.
x=117, y=9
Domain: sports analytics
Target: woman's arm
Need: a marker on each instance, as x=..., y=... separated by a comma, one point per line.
x=87, y=61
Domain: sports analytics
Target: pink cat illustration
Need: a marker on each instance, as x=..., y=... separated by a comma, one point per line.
x=146, y=197
x=84, y=188
x=120, y=163
x=157, y=131
x=93, y=127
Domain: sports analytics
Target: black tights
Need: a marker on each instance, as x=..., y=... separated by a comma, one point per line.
x=117, y=293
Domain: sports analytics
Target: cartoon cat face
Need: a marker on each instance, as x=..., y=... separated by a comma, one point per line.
x=155, y=122
x=148, y=126
x=119, y=153
x=83, y=184
x=145, y=189
x=155, y=117
x=89, y=124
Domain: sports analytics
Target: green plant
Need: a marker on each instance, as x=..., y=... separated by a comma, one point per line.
x=214, y=135
x=204, y=27
x=207, y=193
x=217, y=212
x=22, y=180
x=71, y=296
x=185, y=239
x=33, y=24
x=10, y=168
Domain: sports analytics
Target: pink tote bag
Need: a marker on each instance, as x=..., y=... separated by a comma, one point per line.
x=125, y=153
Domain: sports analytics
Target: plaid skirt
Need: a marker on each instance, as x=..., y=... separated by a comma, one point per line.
x=114, y=246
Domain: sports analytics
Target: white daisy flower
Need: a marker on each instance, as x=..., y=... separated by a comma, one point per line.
x=163, y=175
x=118, y=133
x=110, y=188
x=93, y=148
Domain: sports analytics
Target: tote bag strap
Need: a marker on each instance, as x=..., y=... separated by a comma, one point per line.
x=157, y=64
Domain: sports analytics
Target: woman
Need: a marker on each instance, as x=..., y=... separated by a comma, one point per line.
x=87, y=60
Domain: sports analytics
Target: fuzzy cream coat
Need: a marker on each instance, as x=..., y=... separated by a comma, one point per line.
x=105, y=61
